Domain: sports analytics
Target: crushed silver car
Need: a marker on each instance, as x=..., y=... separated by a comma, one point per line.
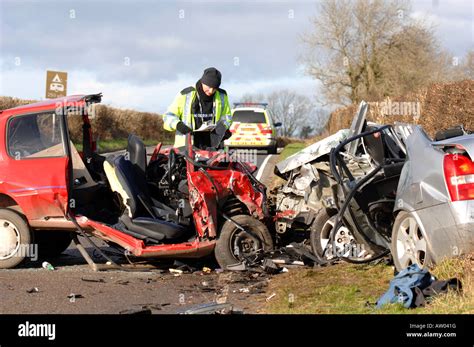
x=372, y=190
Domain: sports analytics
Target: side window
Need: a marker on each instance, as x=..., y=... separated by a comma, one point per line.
x=35, y=136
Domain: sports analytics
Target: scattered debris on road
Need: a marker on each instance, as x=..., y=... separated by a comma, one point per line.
x=47, y=266
x=176, y=272
x=270, y=297
x=73, y=297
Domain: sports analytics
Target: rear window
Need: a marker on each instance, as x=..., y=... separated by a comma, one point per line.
x=248, y=116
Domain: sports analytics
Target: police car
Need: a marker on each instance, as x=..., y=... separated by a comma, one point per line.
x=252, y=127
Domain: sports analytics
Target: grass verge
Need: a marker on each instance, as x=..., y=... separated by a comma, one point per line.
x=353, y=289
x=291, y=149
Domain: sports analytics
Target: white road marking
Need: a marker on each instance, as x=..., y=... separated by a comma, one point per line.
x=262, y=167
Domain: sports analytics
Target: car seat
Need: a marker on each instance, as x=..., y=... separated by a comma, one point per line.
x=143, y=215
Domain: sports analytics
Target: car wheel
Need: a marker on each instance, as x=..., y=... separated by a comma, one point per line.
x=319, y=241
x=409, y=244
x=15, y=239
x=319, y=237
x=235, y=245
x=52, y=243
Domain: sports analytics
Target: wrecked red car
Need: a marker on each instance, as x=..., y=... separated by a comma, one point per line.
x=182, y=203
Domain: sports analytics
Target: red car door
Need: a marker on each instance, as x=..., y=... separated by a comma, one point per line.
x=35, y=165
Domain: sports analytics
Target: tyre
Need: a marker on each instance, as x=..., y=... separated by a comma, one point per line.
x=15, y=239
x=51, y=243
x=273, y=149
x=409, y=244
x=234, y=245
x=319, y=237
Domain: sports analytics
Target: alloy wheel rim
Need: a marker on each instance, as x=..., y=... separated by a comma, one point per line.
x=410, y=243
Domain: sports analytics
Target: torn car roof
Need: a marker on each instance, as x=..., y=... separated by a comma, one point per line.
x=312, y=152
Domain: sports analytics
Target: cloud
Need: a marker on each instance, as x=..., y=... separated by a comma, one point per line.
x=157, y=41
x=453, y=22
x=30, y=84
x=141, y=53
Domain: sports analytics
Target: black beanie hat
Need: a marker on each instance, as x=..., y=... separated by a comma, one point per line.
x=211, y=77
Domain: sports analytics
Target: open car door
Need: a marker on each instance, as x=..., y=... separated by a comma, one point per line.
x=38, y=164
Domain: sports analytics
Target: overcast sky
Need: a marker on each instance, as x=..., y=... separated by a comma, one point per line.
x=141, y=53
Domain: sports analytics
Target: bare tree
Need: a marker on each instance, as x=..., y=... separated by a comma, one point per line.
x=462, y=69
x=306, y=131
x=293, y=110
x=411, y=59
x=367, y=49
x=457, y=68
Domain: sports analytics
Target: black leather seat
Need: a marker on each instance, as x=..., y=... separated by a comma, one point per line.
x=146, y=218
x=137, y=153
x=144, y=215
x=137, y=156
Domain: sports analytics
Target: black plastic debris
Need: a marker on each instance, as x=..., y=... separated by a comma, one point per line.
x=425, y=295
x=185, y=268
x=270, y=267
x=75, y=296
x=300, y=252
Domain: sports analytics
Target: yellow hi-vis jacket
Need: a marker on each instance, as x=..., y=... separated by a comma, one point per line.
x=180, y=110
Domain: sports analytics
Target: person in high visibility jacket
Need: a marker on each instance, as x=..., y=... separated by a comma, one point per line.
x=205, y=103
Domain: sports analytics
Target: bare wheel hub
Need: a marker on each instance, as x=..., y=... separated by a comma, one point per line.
x=244, y=245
